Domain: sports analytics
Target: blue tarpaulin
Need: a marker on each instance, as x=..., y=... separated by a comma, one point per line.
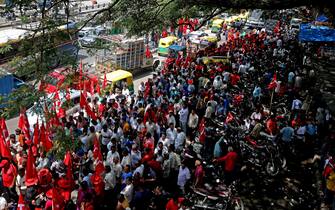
x=312, y=33
x=177, y=48
x=322, y=18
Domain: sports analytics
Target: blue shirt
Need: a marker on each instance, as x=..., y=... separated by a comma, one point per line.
x=287, y=134
x=257, y=92
x=311, y=129
x=217, y=148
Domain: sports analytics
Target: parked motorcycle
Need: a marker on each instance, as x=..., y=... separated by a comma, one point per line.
x=218, y=197
x=265, y=156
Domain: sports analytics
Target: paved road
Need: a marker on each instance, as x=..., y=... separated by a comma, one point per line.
x=12, y=123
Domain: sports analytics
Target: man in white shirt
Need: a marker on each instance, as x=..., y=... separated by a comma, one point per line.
x=183, y=116
x=117, y=167
x=112, y=154
x=151, y=127
x=180, y=139
x=20, y=181
x=106, y=135
x=126, y=160
x=128, y=190
x=171, y=133
x=110, y=180
x=171, y=119
x=183, y=177
x=217, y=84
x=193, y=120
x=209, y=111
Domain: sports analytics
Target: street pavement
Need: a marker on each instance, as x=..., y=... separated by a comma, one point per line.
x=88, y=60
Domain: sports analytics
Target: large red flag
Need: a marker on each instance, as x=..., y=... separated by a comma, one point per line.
x=44, y=138
x=104, y=84
x=36, y=136
x=98, y=89
x=24, y=125
x=31, y=173
x=83, y=101
x=92, y=88
x=84, y=90
x=68, y=163
x=4, y=150
x=99, y=166
x=3, y=128
x=90, y=113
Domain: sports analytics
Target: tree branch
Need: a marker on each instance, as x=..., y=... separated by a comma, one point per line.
x=98, y=13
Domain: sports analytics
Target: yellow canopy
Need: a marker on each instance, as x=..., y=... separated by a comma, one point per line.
x=117, y=75
x=210, y=38
x=168, y=39
x=217, y=22
x=214, y=59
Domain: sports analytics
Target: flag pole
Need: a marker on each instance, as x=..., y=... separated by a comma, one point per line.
x=273, y=91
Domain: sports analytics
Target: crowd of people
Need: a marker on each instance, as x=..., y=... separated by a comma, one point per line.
x=138, y=153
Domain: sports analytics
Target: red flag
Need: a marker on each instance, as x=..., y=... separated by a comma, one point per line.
x=68, y=163
x=98, y=89
x=84, y=90
x=24, y=124
x=21, y=205
x=4, y=150
x=90, y=113
x=58, y=201
x=229, y=118
x=273, y=83
x=61, y=113
x=68, y=95
x=164, y=33
x=56, y=98
x=96, y=151
x=31, y=173
x=36, y=136
x=147, y=52
x=3, y=128
x=92, y=88
x=83, y=101
x=104, y=84
x=180, y=24
x=44, y=138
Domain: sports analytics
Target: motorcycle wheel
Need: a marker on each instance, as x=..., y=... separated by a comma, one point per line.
x=236, y=204
x=271, y=168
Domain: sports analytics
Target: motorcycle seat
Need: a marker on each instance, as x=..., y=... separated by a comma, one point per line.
x=206, y=193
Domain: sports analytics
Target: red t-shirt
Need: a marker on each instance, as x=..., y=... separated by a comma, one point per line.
x=234, y=78
x=9, y=175
x=230, y=160
x=171, y=205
